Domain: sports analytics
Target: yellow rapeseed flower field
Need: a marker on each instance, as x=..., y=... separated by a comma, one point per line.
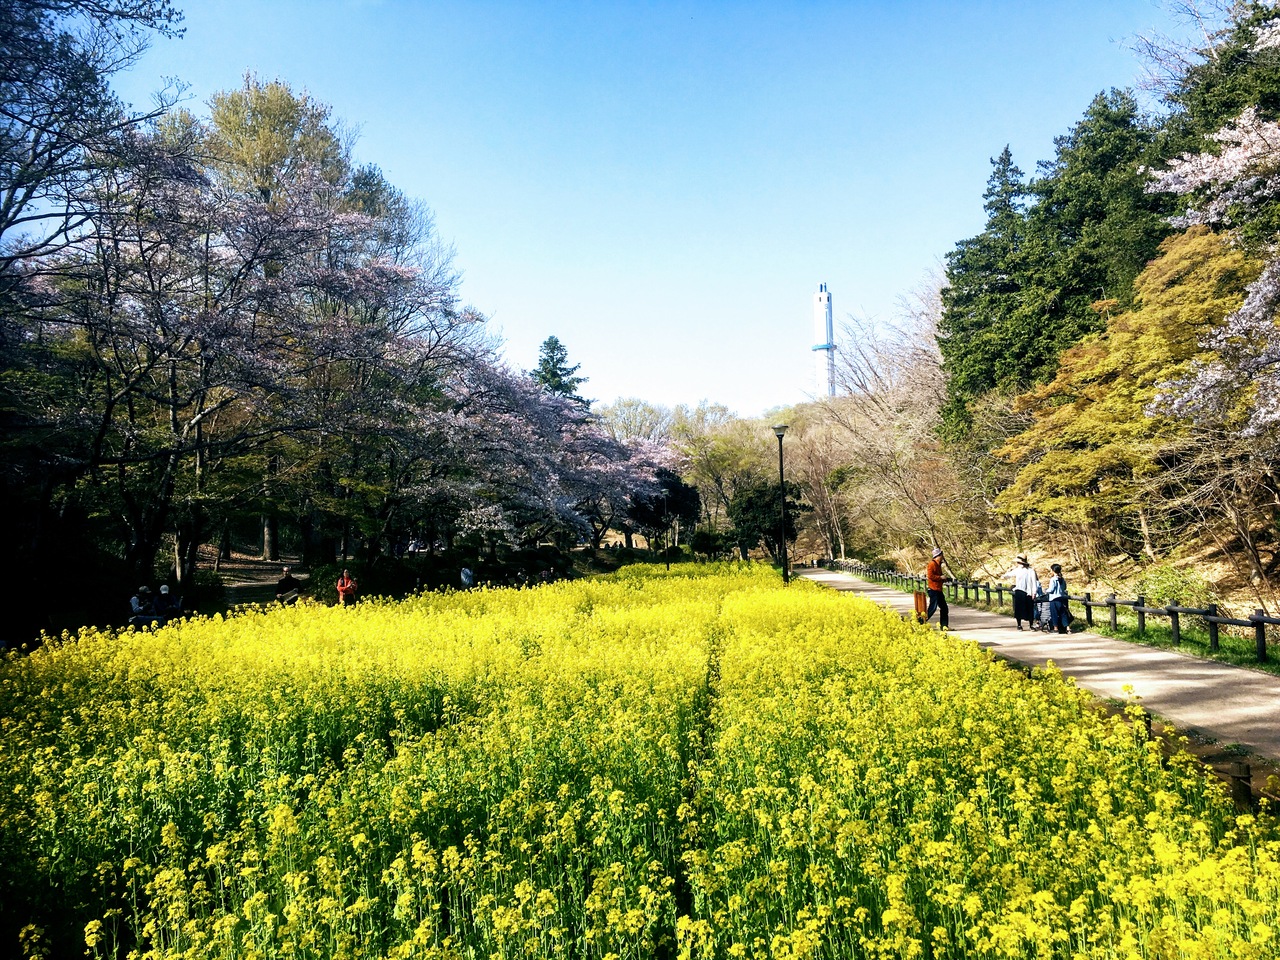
x=694, y=764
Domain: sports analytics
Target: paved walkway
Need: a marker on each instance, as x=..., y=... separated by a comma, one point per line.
x=1232, y=704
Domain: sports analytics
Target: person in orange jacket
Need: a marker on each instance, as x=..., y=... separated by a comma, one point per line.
x=934, y=580
x=347, y=587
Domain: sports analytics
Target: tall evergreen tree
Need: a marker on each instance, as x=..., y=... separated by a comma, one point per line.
x=1094, y=224
x=983, y=283
x=1021, y=292
x=554, y=373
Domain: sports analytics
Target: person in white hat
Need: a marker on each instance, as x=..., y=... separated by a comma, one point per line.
x=168, y=606
x=1026, y=586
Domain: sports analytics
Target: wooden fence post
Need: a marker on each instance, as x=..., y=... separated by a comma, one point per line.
x=1111, y=602
x=1175, y=630
x=1000, y=594
x=1213, y=627
x=1139, y=609
x=1260, y=634
x=1241, y=780
x=1088, y=610
x=988, y=586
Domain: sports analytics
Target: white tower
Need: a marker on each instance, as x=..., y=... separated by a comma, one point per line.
x=824, y=351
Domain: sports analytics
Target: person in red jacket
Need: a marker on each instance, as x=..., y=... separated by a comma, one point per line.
x=347, y=587
x=934, y=580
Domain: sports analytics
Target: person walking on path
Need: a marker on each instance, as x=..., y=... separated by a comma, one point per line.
x=1059, y=612
x=934, y=580
x=1026, y=586
x=347, y=587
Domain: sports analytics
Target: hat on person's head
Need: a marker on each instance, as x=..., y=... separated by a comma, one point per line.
x=144, y=589
x=937, y=551
x=1023, y=561
x=164, y=588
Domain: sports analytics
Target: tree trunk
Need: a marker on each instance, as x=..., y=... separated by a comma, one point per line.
x=188, y=535
x=597, y=534
x=146, y=530
x=186, y=574
x=317, y=546
x=270, y=537
x=1146, y=534
x=1240, y=520
x=224, y=548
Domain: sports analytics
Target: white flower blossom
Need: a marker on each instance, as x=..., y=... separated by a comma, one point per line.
x=1240, y=175
x=1230, y=184
x=1267, y=36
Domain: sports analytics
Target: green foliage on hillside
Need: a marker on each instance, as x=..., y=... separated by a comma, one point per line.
x=1019, y=293
x=1094, y=445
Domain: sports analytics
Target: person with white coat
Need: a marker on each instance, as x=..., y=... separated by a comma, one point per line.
x=1026, y=587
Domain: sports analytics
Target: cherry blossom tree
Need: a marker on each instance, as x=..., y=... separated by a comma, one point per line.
x=61, y=122
x=188, y=301
x=542, y=459
x=1231, y=186
x=1230, y=398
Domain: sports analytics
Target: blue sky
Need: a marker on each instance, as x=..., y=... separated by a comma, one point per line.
x=664, y=185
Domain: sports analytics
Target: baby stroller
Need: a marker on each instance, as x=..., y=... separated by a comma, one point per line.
x=1043, y=620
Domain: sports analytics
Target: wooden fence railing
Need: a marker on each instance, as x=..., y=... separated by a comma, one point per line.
x=982, y=593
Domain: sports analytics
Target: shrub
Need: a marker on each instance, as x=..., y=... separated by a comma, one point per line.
x=1163, y=584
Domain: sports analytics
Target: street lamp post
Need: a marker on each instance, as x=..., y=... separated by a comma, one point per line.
x=779, y=430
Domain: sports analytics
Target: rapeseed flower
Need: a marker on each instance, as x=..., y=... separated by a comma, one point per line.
x=697, y=763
